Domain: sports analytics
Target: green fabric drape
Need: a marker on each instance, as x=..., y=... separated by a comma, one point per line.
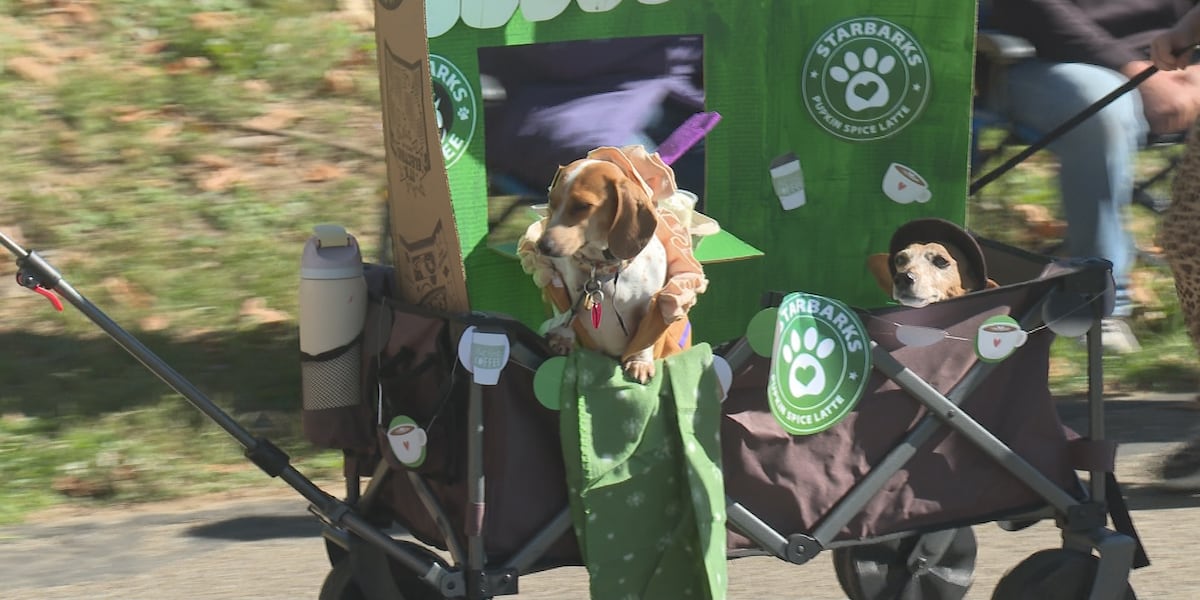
x=644, y=474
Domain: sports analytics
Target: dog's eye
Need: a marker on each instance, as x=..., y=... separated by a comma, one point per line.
x=579, y=209
x=941, y=262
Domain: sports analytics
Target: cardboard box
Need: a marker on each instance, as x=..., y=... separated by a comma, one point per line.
x=840, y=122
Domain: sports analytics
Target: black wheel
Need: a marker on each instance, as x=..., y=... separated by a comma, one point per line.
x=930, y=566
x=340, y=584
x=1054, y=574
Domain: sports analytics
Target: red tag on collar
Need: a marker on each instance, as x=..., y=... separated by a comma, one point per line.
x=596, y=315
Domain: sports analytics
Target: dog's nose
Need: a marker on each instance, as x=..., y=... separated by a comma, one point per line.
x=546, y=247
x=903, y=280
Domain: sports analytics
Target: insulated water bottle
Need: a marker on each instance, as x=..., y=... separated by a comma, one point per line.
x=333, y=304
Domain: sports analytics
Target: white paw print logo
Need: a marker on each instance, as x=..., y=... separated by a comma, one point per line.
x=802, y=355
x=865, y=87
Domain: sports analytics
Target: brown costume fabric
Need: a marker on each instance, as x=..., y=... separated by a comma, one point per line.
x=1179, y=234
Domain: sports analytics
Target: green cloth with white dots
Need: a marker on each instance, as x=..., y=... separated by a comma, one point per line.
x=644, y=475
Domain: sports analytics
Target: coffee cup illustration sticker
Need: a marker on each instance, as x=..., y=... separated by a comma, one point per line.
x=998, y=337
x=787, y=178
x=407, y=440
x=904, y=185
x=484, y=354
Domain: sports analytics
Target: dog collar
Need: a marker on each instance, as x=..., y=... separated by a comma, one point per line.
x=591, y=297
x=603, y=269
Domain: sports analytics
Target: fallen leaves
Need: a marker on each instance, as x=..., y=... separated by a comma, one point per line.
x=276, y=119
x=1042, y=223
x=64, y=13
x=339, y=82
x=188, y=64
x=214, y=21
x=127, y=293
x=221, y=180
x=321, y=172
x=256, y=311
x=154, y=323
x=214, y=161
x=33, y=69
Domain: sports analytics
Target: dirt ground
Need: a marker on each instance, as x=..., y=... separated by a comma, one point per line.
x=263, y=544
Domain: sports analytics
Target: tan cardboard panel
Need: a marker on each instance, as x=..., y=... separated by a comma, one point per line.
x=424, y=237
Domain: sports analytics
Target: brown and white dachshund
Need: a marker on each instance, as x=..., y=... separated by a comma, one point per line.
x=624, y=266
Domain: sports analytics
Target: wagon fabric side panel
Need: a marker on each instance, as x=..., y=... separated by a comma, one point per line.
x=791, y=482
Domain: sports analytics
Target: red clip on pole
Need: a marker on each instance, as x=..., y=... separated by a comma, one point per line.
x=32, y=284
x=50, y=296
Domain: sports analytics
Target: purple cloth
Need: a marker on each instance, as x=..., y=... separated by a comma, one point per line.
x=687, y=135
x=564, y=99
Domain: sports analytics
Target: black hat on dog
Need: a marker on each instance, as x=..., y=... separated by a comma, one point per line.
x=925, y=231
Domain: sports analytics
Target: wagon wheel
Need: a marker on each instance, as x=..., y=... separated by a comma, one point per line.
x=1057, y=573
x=931, y=566
x=340, y=583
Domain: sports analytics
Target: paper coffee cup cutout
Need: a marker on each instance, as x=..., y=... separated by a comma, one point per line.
x=407, y=440
x=484, y=354
x=998, y=337
x=904, y=185
x=788, y=180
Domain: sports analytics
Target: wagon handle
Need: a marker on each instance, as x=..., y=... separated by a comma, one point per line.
x=261, y=451
x=1066, y=126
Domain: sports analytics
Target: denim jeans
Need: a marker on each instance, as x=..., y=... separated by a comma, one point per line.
x=1096, y=158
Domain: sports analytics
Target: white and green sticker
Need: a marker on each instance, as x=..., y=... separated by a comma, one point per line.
x=819, y=365
x=865, y=79
x=998, y=337
x=455, y=107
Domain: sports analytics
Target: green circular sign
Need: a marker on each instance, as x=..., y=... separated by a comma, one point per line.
x=819, y=365
x=548, y=380
x=760, y=332
x=865, y=79
x=455, y=108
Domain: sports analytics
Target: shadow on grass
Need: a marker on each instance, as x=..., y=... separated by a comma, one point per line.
x=61, y=375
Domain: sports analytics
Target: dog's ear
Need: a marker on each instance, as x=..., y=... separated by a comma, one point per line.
x=634, y=219
x=880, y=265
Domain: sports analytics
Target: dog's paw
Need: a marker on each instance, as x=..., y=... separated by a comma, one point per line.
x=561, y=341
x=639, y=370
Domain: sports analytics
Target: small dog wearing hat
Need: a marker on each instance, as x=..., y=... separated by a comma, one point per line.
x=930, y=260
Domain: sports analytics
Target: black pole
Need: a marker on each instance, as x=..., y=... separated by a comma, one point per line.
x=1058, y=132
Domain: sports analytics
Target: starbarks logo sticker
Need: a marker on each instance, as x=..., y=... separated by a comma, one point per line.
x=819, y=363
x=865, y=79
x=454, y=106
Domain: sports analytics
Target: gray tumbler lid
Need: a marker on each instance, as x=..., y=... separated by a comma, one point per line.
x=331, y=253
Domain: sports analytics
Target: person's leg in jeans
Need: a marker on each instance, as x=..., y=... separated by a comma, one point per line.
x=1096, y=157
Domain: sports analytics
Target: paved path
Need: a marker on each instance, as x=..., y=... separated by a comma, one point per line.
x=263, y=545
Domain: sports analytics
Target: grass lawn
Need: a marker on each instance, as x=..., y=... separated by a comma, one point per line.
x=170, y=158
